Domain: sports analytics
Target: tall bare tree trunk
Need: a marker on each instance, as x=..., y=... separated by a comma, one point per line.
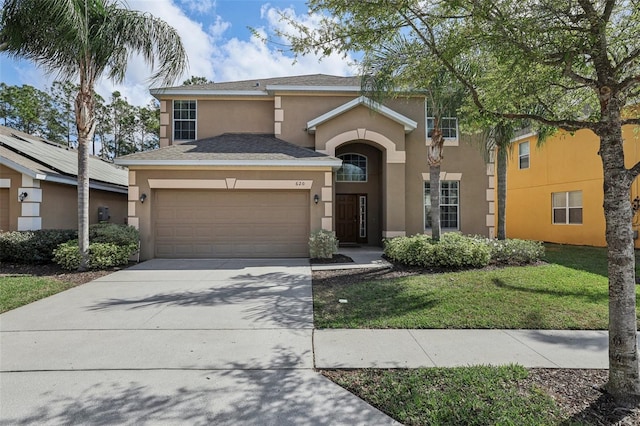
x=624, y=376
x=434, y=159
x=501, y=165
x=85, y=124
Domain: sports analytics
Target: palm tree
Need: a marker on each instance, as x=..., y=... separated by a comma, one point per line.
x=498, y=142
x=88, y=39
x=399, y=66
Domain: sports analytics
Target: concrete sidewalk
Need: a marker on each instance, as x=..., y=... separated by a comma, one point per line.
x=366, y=348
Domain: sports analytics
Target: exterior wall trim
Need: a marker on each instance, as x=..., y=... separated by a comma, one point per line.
x=229, y=183
x=263, y=163
x=408, y=124
x=393, y=155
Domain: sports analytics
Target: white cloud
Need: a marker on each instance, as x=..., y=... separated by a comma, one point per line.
x=210, y=53
x=199, y=6
x=246, y=59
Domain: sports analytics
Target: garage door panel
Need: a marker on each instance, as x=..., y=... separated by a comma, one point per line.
x=201, y=223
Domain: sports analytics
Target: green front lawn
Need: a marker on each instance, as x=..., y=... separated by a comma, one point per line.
x=569, y=293
x=16, y=291
x=479, y=395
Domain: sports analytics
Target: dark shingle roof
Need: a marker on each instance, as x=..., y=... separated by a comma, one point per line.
x=261, y=84
x=231, y=148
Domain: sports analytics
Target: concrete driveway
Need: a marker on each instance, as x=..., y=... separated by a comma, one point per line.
x=174, y=342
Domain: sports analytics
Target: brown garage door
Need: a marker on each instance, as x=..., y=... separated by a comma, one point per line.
x=4, y=209
x=205, y=223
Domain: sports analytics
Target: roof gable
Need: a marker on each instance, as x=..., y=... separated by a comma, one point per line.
x=408, y=124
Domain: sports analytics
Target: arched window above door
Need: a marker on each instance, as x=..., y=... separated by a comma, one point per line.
x=354, y=168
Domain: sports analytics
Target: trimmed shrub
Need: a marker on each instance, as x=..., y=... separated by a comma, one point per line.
x=453, y=251
x=113, y=233
x=515, y=252
x=323, y=244
x=101, y=255
x=33, y=246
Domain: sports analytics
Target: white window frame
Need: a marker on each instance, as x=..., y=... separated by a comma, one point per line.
x=362, y=211
x=427, y=199
x=194, y=120
x=431, y=119
x=366, y=168
x=521, y=156
x=567, y=208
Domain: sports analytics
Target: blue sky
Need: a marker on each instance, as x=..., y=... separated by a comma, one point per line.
x=218, y=43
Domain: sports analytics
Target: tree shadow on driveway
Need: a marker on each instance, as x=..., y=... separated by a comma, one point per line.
x=278, y=298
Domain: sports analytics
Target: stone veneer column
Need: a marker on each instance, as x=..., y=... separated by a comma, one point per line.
x=491, y=217
x=327, y=200
x=29, y=219
x=133, y=197
x=164, y=124
x=278, y=115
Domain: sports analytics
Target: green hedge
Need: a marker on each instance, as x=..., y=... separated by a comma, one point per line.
x=33, y=246
x=456, y=251
x=101, y=255
x=113, y=233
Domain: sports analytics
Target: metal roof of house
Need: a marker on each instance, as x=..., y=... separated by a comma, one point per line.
x=232, y=149
x=49, y=161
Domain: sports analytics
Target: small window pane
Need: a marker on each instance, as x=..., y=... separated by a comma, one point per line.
x=575, y=215
x=354, y=168
x=575, y=199
x=523, y=148
x=559, y=216
x=559, y=199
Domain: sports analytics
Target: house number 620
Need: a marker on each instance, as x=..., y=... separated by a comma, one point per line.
x=300, y=183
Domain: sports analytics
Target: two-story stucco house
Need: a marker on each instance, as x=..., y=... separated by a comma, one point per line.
x=251, y=168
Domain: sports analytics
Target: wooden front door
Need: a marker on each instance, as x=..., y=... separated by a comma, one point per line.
x=347, y=218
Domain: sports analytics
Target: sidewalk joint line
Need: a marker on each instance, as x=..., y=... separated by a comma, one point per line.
x=524, y=344
x=420, y=346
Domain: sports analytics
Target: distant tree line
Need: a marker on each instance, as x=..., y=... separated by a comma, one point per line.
x=121, y=128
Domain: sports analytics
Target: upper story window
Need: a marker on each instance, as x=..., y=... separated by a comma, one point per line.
x=448, y=124
x=523, y=155
x=449, y=204
x=184, y=120
x=354, y=168
x=567, y=208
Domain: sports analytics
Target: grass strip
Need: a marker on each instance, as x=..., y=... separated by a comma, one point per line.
x=478, y=395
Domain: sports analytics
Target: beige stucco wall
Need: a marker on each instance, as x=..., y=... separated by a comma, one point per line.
x=58, y=207
x=466, y=159
x=401, y=204
x=14, y=206
x=143, y=212
x=215, y=117
x=298, y=110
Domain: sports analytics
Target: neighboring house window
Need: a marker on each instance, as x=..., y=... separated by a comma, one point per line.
x=567, y=207
x=449, y=204
x=523, y=155
x=354, y=168
x=184, y=120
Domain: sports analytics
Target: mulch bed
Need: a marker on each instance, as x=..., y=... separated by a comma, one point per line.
x=337, y=258
x=54, y=272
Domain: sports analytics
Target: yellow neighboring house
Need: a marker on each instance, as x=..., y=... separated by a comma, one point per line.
x=554, y=192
